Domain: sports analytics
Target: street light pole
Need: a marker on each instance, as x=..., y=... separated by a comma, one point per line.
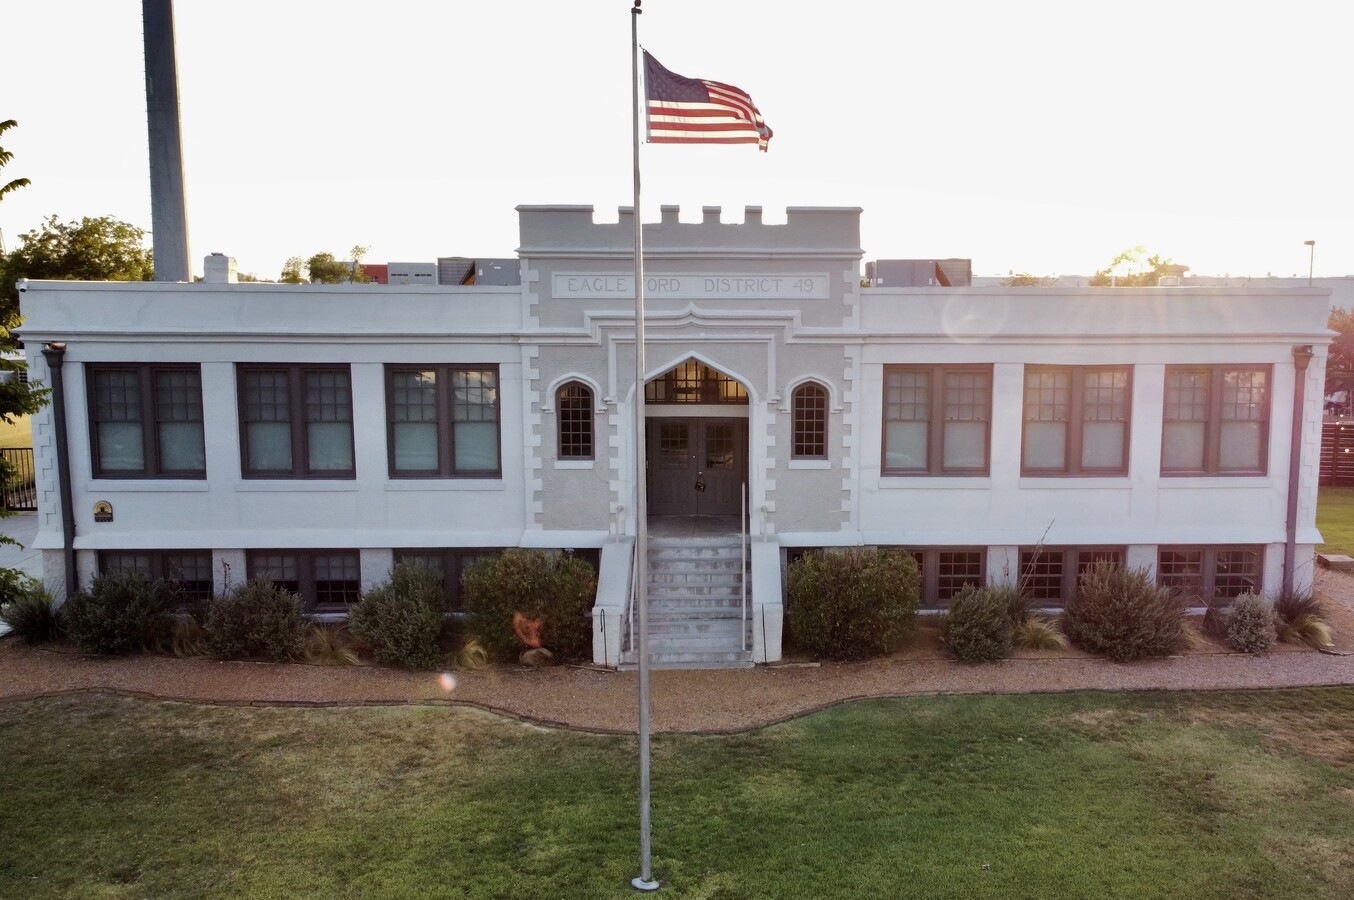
x=1311, y=258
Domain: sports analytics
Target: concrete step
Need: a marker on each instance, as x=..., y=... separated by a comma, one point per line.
x=739, y=660
x=694, y=588
x=668, y=612
x=731, y=628
x=696, y=576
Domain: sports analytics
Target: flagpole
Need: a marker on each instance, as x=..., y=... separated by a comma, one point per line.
x=645, y=881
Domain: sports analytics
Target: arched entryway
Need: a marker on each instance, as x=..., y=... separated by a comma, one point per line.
x=696, y=442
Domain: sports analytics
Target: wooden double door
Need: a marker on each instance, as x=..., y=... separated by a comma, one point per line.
x=696, y=466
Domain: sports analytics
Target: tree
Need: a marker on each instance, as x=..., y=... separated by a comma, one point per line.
x=5, y=157
x=1340, y=362
x=325, y=269
x=91, y=249
x=359, y=275
x=1025, y=279
x=291, y=271
x=16, y=397
x=1133, y=269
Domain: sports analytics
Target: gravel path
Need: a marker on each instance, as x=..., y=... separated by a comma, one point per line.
x=681, y=701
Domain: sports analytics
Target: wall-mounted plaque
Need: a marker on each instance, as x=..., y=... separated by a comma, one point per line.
x=103, y=511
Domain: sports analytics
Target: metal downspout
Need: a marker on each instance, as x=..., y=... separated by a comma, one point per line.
x=55, y=354
x=1302, y=356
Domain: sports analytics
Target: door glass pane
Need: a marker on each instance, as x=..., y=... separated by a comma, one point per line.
x=1045, y=445
x=673, y=445
x=719, y=449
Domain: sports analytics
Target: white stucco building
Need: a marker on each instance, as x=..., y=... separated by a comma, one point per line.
x=318, y=433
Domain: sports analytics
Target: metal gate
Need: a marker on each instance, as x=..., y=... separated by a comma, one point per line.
x=20, y=491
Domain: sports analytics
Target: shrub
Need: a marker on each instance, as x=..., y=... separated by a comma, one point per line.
x=32, y=614
x=1119, y=613
x=1300, y=619
x=189, y=638
x=852, y=604
x=256, y=618
x=13, y=583
x=121, y=613
x=402, y=619
x=1039, y=633
x=330, y=645
x=1250, y=624
x=546, y=591
x=977, y=627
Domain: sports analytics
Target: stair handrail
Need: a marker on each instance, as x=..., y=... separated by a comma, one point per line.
x=743, y=572
x=634, y=593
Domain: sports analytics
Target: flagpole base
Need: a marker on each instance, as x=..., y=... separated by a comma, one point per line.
x=640, y=884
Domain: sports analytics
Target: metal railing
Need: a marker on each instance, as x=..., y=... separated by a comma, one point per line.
x=20, y=491
x=634, y=595
x=743, y=572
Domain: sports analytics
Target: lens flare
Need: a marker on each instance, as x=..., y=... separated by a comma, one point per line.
x=447, y=681
x=528, y=630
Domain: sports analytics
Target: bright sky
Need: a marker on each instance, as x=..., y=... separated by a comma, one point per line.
x=1039, y=136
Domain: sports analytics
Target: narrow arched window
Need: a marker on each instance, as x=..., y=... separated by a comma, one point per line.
x=573, y=404
x=809, y=409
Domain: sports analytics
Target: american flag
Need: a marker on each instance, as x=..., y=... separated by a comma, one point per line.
x=696, y=111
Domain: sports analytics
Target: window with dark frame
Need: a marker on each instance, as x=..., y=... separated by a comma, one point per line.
x=808, y=406
x=1049, y=575
x=443, y=421
x=189, y=570
x=1076, y=420
x=936, y=419
x=1211, y=573
x=146, y=421
x=296, y=421
x=574, y=410
x=694, y=382
x=946, y=570
x=1216, y=420
x=326, y=580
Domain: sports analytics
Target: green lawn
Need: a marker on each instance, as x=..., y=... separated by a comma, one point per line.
x=1214, y=795
x=19, y=434
x=1335, y=519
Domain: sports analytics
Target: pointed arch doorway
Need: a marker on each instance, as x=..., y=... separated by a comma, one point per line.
x=696, y=442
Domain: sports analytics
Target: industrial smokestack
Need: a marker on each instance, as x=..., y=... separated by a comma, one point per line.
x=168, y=213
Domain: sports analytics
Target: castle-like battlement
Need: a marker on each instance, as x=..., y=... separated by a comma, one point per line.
x=816, y=232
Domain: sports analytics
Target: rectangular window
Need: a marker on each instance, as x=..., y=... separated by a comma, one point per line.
x=146, y=421
x=452, y=563
x=443, y=421
x=1216, y=420
x=1049, y=575
x=190, y=570
x=1076, y=420
x=296, y=421
x=936, y=419
x=326, y=580
x=1217, y=573
x=945, y=571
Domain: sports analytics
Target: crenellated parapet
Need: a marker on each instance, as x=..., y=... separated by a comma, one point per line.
x=809, y=232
